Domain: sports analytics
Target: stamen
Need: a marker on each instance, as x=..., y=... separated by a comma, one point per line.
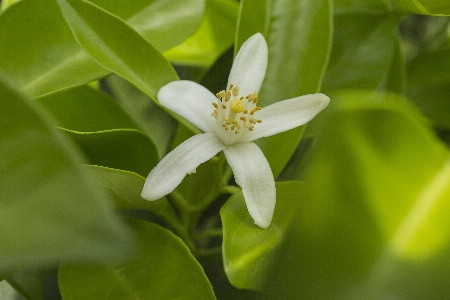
x=235, y=91
x=215, y=105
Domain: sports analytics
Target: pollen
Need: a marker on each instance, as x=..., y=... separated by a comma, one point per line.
x=235, y=113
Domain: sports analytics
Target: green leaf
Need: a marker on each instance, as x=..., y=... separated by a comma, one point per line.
x=43, y=185
x=163, y=23
x=37, y=45
x=212, y=38
x=117, y=47
x=125, y=188
x=124, y=149
x=156, y=123
x=86, y=109
x=248, y=251
x=162, y=268
x=425, y=7
x=374, y=223
x=296, y=65
x=429, y=84
x=28, y=283
x=365, y=53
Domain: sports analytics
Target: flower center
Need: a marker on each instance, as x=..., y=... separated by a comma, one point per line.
x=237, y=114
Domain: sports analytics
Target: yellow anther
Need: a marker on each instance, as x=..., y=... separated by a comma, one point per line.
x=247, y=124
x=215, y=113
x=251, y=128
x=231, y=87
x=243, y=118
x=245, y=111
x=253, y=121
x=225, y=118
x=215, y=105
x=236, y=131
x=223, y=106
x=235, y=91
x=237, y=105
x=234, y=122
x=259, y=120
x=227, y=95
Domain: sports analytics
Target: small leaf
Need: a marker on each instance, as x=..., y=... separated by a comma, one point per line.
x=248, y=250
x=124, y=149
x=125, y=188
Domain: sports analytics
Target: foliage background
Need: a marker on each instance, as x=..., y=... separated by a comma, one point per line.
x=363, y=191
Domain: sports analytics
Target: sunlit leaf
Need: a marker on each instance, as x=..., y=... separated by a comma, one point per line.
x=374, y=223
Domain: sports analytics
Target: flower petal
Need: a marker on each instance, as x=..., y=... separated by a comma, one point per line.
x=249, y=66
x=184, y=159
x=287, y=114
x=191, y=101
x=253, y=174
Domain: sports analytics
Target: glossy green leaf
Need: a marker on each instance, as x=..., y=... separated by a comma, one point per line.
x=156, y=123
x=43, y=185
x=163, y=23
x=125, y=188
x=86, y=109
x=117, y=47
x=124, y=149
x=214, y=35
x=248, y=251
x=34, y=31
x=296, y=65
x=429, y=85
x=162, y=268
x=365, y=50
x=374, y=223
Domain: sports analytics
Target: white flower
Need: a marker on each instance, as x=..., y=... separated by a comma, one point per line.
x=231, y=120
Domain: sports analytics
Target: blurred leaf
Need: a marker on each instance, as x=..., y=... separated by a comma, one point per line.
x=425, y=7
x=362, y=6
x=43, y=185
x=28, y=283
x=123, y=149
x=429, y=85
x=365, y=53
x=156, y=123
x=37, y=45
x=298, y=34
x=212, y=38
x=125, y=188
x=163, y=268
x=374, y=223
x=86, y=109
x=248, y=250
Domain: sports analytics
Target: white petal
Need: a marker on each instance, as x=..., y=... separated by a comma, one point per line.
x=249, y=66
x=287, y=114
x=184, y=159
x=191, y=101
x=253, y=174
